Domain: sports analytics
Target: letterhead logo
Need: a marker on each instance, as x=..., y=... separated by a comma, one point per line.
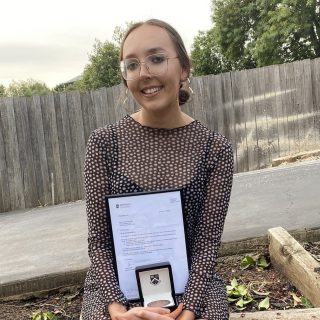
x=155, y=279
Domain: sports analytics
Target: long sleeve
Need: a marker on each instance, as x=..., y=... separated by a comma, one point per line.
x=209, y=229
x=99, y=238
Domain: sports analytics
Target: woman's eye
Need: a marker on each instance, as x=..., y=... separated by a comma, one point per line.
x=132, y=65
x=156, y=59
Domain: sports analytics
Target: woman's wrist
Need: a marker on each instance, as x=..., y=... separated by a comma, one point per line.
x=115, y=309
x=186, y=315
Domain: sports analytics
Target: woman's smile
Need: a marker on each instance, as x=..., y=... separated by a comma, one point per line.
x=151, y=91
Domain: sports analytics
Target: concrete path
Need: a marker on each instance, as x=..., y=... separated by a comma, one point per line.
x=283, y=196
x=53, y=240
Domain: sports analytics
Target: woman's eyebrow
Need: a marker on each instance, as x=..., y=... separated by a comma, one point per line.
x=149, y=51
x=156, y=49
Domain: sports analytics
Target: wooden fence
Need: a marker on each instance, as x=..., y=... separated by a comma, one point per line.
x=266, y=113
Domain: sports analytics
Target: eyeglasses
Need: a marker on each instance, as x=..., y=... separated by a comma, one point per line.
x=156, y=65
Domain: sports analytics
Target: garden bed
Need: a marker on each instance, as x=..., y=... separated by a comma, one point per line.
x=66, y=304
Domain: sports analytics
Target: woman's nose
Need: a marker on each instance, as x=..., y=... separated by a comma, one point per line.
x=144, y=70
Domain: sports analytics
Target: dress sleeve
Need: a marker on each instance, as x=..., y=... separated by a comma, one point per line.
x=209, y=229
x=99, y=238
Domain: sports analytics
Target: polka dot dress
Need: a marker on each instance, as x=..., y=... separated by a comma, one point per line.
x=128, y=157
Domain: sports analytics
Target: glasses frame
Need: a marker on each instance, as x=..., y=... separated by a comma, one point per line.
x=122, y=66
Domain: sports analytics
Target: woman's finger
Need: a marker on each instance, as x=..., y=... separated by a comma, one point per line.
x=146, y=314
x=158, y=310
x=174, y=314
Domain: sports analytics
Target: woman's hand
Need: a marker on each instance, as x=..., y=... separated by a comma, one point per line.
x=174, y=314
x=144, y=313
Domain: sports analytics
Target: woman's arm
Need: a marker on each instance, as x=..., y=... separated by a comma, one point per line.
x=186, y=315
x=99, y=241
x=210, y=226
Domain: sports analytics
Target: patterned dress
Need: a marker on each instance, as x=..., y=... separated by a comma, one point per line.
x=129, y=157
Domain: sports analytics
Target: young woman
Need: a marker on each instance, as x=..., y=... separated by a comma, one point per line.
x=159, y=147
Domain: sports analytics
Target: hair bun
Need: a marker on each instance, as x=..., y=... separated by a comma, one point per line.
x=184, y=96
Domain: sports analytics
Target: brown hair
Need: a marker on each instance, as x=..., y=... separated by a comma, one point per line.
x=182, y=54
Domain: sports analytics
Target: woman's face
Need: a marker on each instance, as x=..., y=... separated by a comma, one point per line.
x=154, y=92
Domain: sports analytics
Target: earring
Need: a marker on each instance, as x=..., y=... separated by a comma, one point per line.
x=189, y=87
x=185, y=93
x=186, y=88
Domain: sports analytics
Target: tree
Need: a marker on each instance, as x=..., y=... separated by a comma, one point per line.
x=119, y=33
x=261, y=32
x=234, y=25
x=103, y=69
x=2, y=90
x=289, y=31
x=74, y=86
x=206, y=56
x=225, y=46
x=27, y=88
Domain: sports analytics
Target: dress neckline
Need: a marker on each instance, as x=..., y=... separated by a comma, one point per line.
x=138, y=124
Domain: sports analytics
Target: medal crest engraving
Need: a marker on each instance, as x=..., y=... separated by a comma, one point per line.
x=155, y=279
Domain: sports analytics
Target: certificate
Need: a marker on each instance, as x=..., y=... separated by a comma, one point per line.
x=148, y=228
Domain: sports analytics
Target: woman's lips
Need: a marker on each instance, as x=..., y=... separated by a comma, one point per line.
x=151, y=91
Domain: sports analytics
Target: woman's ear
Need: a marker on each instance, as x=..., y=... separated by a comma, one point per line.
x=184, y=75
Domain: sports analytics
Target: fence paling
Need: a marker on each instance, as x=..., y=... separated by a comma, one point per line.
x=266, y=113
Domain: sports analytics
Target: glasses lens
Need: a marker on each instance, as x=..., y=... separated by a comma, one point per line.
x=130, y=68
x=156, y=64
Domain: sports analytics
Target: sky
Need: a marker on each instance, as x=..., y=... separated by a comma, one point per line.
x=50, y=41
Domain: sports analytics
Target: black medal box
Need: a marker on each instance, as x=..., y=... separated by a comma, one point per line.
x=155, y=285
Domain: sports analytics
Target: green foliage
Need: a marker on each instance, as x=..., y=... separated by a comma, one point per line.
x=306, y=302
x=239, y=294
x=259, y=261
x=2, y=90
x=289, y=30
x=41, y=315
x=103, y=69
x=206, y=56
x=264, y=304
x=301, y=301
x=248, y=34
x=242, y=294
x=77, y=85
x=247, y=262
x=234, y=28
x=119, y=33
x=262, y=262
x=258, y=33
x=27, y=88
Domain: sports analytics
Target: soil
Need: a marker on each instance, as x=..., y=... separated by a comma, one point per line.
x=283, y=295
x=66, y=304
